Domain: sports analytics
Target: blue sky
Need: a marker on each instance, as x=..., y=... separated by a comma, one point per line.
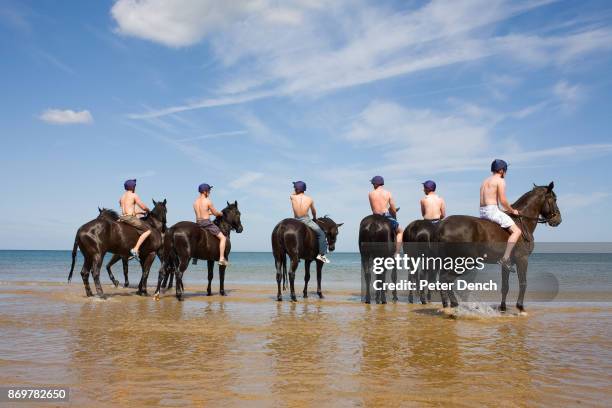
x=249, y=96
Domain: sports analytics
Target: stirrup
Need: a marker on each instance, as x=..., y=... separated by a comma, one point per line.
x=506, y=265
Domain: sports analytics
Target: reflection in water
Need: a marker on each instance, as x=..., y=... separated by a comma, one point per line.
x=249, y=349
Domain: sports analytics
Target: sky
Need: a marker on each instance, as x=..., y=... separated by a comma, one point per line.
x=250, y=96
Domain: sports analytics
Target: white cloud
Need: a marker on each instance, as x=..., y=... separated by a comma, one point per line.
x=346, y=44
x=568, y=95
x=245, y=179
x=66, y=117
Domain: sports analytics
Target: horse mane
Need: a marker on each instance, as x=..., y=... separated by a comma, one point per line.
x=108, y=213
x=524, y=199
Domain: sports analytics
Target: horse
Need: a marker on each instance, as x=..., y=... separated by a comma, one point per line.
x=293, y=238
x=538, y=206
x=186, y=240
x=376, y=240
x=418, y=239
x=105, y=234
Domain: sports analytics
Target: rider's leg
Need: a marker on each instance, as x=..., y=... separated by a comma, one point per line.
x=141, y=239
x=222, y=240
x=515, y=234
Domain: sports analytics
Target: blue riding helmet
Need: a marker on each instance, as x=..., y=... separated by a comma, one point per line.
x=130, y=184
x=430, y=185
x=299, y=186
x=498, y=165
x=378, y=181
x=204, y=187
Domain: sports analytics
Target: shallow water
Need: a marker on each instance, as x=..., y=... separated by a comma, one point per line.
x=247, y=348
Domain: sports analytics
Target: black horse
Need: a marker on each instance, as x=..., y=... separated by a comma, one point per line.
x=464, y=236
x=376, y=240
x=295, y=239
x=106, y=234
x=186, y=240
x=418, y=239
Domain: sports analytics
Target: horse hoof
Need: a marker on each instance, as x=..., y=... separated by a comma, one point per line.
x=394, y=299
x=222, y=293
x=156, y=297
x=320, y=295
x=305, y=295
x=180, y=298
x=293, y=298
x=423, y=302
x=209, y=293
x=116, y=283
x=126, y=285
x=502, y=307
x=279, y=298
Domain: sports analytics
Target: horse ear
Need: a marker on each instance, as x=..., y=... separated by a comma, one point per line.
x=551, y=186
x=228, y=204
x=339, y=225
x=165, y=201
x=236, y=203
x=534, y=185
x=154, y=203
x=99, y=210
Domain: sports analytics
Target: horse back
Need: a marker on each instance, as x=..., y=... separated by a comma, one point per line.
x=292, y=237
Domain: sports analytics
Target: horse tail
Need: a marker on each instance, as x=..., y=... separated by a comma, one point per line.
x=74, y=252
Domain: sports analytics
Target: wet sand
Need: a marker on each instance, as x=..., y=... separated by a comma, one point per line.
x=248, y=349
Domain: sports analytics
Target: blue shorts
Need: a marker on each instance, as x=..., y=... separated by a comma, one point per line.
x=393, y=221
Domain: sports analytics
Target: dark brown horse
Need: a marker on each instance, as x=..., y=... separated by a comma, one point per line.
x=376, y=240
x=418, y=239
x=186, y=240
x=105, y=234
x=293, y=238
x=464, y=236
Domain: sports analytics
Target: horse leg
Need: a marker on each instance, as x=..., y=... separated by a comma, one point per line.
x=504, y=289
x=126, y=282
x=146, y=267
x=381, y=294
x=319, y=276
x=521, y=269
x=222, y=280
x=294, y=264
x=422, y=274
x=365, y=269
x=95, y=272
x=85, y=276
x=113, y=261
x=211, y=267
x=278, y=264
x=443, y=293
x=183, y=263
x=161, y=277
x=306, y=277
x=394, y=278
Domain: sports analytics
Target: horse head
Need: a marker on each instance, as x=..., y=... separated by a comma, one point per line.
x=108, y=214
x=331, y=231
x=159, y=212
x=550, y=211
x=231, y=215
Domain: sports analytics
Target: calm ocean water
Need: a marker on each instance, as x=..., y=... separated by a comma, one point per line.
x=574, y=273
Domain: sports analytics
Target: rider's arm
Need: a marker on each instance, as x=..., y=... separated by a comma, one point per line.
x=392, y=208
x=442, y=209
x=313, y=210
x=214, y=211
x=139, y=203
x=502, y=199
x=422, y=207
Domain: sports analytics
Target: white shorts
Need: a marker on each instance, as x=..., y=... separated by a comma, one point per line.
x=493, y=213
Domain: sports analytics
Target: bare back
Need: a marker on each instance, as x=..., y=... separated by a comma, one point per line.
x=433, y=207
x=301, y=203
x=491, y=189
x=381, y=201
x=129, y=202
x=203, y=208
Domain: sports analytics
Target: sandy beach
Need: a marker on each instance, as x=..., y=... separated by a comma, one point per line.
x=247, y=348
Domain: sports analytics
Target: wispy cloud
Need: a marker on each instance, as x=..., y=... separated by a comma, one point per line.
x=245, y=179
x=54, y=61
x=214, y=135
x=568, y=95
x=343, y=46
x=66, y=117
